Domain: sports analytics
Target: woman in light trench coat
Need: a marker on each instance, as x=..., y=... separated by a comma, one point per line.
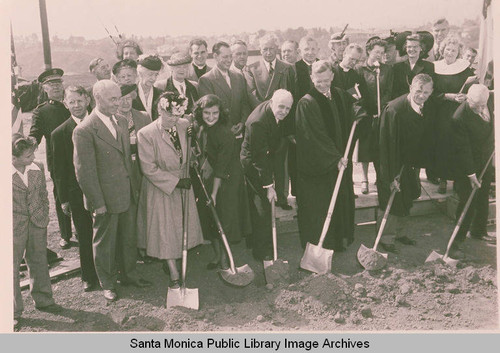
x=162, y=147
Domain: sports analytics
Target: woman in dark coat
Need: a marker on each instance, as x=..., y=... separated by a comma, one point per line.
x=450, y=87
x=222, y=173
x=368, y=139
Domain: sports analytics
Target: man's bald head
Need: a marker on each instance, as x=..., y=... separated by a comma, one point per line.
x=281, y=103
x=477, y=97
x=107, y=96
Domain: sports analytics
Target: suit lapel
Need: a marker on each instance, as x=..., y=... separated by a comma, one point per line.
x=275, y=79
x=18, y=182
x=104, y=134
x=418, y=68
x=221, y=82
x=165, y=135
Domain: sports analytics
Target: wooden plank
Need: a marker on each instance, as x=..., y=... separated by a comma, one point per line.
x=64, y=268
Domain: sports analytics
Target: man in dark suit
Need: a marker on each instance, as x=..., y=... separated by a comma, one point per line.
x=46, y=117
x=264, y=77
x=76, y=99
x=473, y=142
x=239, y=51
x=148, y=68
x=103, y=167
x=309, y=49
x=198, y=52
x=262, y=141
x=404, y=71
x=229, y=86
x=290, y=51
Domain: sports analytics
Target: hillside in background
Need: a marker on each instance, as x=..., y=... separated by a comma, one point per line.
x=74, y=54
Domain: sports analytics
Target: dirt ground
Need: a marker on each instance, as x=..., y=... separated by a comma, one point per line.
x=407, y=295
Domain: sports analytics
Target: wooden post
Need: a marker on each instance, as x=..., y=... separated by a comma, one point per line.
x=45, y=35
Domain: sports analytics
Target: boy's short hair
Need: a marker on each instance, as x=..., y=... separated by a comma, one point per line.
x=20, y=144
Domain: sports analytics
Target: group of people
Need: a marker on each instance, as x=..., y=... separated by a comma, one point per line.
x=125, y=155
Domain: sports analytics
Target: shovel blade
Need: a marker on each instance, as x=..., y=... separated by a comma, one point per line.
x=450, y=262
x=433, y=257
x=317, y=259
x=276, y=271
x=186, y=297
x=241, y=277
x=371, y=259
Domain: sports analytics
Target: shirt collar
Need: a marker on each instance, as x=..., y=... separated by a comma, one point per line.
x=101, y=115
x=415, y=106
x=273, y=62
x=77, y=120
x=222, y=72
x=32, y=166
x=343, y=68
x=199, y=67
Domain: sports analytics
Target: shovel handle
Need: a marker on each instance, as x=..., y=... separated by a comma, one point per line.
x=217, y=220
x=275, y=237
x=333, y=200
x=378, y=92
x=466, y=208
x=386, y=213
x=185, y=215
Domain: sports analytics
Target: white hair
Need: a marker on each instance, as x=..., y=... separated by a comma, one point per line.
x=101, y=86
x=281, y=94
x=270, y=37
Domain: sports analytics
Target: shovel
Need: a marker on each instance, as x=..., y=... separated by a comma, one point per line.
x=435, y=256
x=183, y=296
x=371, y=259
x=275, y=270
x=237, y=276
x=316, y=258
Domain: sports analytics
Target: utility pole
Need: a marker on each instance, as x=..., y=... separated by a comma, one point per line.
x=45, y=35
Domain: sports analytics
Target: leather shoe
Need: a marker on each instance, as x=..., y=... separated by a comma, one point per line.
x=64, y=244
x=110, y=295
x=389, y=247
x=139, y=283
x=484, y=237
x=88, y=286
x=52, y=308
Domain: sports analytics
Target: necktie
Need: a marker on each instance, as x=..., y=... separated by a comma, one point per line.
x=309, y=67
x=271, y=70
x=328, y=95
x=174, y=137
x=115, y=126
x=183, y=89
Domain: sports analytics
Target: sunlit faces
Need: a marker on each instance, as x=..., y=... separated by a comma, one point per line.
x=269, y=50
x=413, y=49
x=211, y=115
x=322, y=81
x=240, y=55
x=126, y=76
x=351, y=58
x=147, y=77
x=199, y=54
x=25, y=159
x=376, y=54
x=108, y=100
x=179, y=72
x=130, y=53
x=309, y=51
x=224, y=58
x=54, y=89
x=76, y=103
x=391, y=54
x=281, y=107
x=450, y=52
x=440, y=31
x=470, y=56
x=289, y=53
x=102, y=71
x=338, y=48
x=420, y=92
x=126, y=102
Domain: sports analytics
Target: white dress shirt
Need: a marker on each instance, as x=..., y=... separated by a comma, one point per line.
x=78, y=121
x=415, y=106
x=148, y=103
x=107, y=121
x=180, y=86
x=267, y=64
x=24, y=176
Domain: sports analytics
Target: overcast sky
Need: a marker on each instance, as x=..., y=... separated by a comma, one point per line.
x=189, y=17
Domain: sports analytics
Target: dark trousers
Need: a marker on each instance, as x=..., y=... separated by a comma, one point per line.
x=476, y=217
x=292, y=167
x=83, y=225
x=279, y=171
x=260, y=213
x=63, y=220
x=115, y=246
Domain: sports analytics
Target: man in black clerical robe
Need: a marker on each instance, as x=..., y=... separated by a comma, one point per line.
x=473, y=141
x=324, y=119
x=405, y=141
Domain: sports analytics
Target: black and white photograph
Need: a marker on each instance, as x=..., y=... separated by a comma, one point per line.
x=252, y=166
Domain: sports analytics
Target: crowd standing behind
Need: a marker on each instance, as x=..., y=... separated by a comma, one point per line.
x=118, y=152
